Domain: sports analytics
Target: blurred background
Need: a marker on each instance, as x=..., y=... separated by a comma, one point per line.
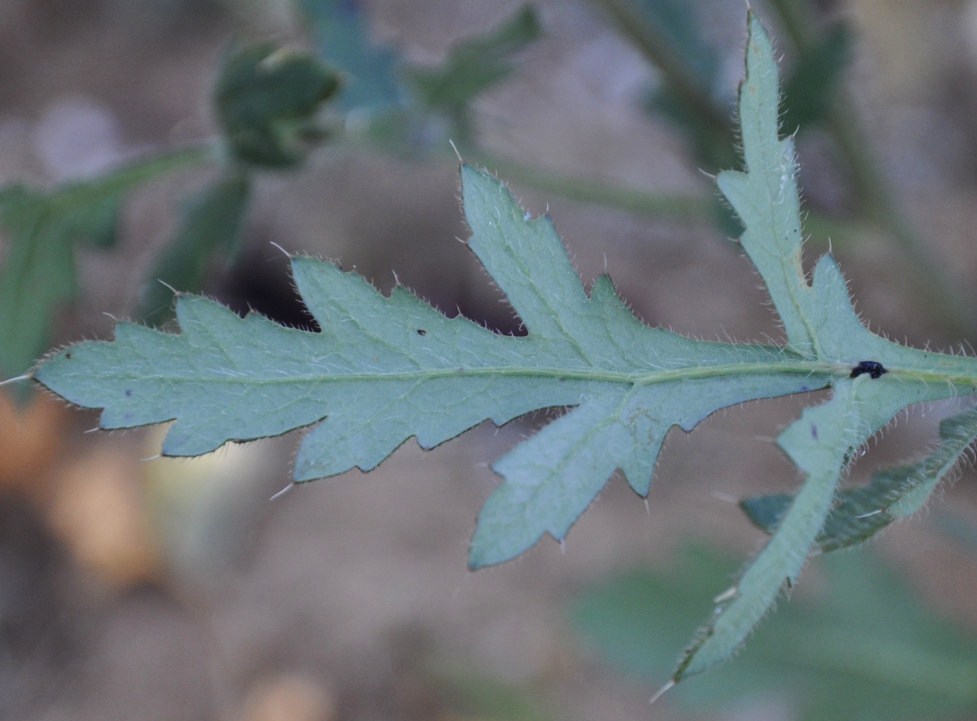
x=183, y=140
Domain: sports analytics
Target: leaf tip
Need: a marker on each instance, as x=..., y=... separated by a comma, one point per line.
x=662, y=691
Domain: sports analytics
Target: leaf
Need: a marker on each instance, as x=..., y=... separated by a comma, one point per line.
x=370, y=82
x=670, y=34
x=41, y=230
x=819, y=322
x=267, y=99
x=472, y=67
x=857, y=514
x=410, y=108
x=211, y=226
x=863, y=648
x=811, y=87
x=386, y=368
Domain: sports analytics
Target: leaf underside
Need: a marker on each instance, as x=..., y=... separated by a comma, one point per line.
x=387, y=368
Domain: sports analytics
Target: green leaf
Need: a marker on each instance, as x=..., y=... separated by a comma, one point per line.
x=41, y=230
x=267, y=99
x=370, y=82
x=819, y=323
x=862, y=649
x=387, y=368
x=211, y=226
x=669, y=34
x=857, y=514
x=472, y=67
x=810, y=89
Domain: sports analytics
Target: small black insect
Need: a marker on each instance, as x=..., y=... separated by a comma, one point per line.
x=873, y=368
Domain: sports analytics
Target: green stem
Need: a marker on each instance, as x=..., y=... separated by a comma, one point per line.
x=134, y=173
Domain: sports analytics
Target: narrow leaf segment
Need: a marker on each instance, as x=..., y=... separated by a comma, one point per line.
x=820, y=323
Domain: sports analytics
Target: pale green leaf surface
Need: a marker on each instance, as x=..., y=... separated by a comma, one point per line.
x=384, y=369
x=387, y=368
x=820, y=323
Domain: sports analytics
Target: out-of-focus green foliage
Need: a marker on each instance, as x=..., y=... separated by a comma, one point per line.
x=40, y=231
x=471, y=68
x=370, y=77
x=210, y=228
x=267, y=100
x=860, y=648
x=410, y=108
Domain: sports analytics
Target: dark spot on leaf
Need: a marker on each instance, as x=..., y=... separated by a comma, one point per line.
x=128, y=392
x=421, y=331
x=814, y=431
x=873, y=368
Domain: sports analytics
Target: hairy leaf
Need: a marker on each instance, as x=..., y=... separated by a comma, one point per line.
x=857, y=514
x=819, y=322
x=386, y=368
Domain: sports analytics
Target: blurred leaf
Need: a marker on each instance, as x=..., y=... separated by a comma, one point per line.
x=267, y=99
x=370, y=82
x=472, y=67
x=864, y=650
x=668, y=33
x=480, y=697
x=210, y=228
x=810, y=88
x=38, y=274
x=40, y=231
x=676, y=24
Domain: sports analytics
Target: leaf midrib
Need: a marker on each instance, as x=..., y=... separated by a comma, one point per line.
x=815, y=369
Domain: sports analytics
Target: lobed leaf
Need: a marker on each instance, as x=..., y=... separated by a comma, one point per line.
x=820, y=323
x=383, y=369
